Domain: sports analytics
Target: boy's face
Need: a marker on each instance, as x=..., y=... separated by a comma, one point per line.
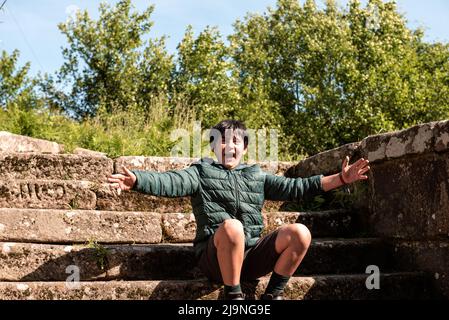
x=231, y=149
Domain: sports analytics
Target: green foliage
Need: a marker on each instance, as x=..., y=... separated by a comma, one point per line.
x=17, y=97
x=15, y=86
x=100, y=253
x=334, y=76
x=108, y=64
x=203, y=76
x=322, y=77
x=122, y=133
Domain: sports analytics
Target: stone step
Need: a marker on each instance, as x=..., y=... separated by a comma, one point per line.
x=34, y=166
x=79, y=226
x=48, y=194
x=11, y=143
x=82, y=194
x=45, y=262
x=177, y=163
x=328, y=223
x=329, y=287
x=96, y=168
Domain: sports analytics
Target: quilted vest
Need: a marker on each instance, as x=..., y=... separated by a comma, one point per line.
x=218, y=193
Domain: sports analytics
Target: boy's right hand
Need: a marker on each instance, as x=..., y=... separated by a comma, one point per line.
x=123, y=181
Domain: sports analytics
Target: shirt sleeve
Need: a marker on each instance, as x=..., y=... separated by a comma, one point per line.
x=174, y=183
x=280, y=188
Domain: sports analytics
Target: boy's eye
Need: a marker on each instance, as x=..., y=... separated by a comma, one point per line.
x=235, y=140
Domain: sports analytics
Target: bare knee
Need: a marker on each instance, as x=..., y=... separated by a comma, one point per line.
x=298, y=236
x=301, y=235
x=230, y=232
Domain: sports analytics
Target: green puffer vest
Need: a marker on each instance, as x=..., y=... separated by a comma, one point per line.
x=218, y=193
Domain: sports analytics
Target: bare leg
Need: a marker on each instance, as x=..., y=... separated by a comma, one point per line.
x=292, y=243
x=229, y=240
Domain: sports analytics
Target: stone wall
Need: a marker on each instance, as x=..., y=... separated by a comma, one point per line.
x=10, y=142
x=406, y=198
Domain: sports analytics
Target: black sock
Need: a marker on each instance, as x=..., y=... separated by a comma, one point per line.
x=232, y=289
x=276, y=284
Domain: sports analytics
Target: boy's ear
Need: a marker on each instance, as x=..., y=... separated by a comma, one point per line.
x=245, y=150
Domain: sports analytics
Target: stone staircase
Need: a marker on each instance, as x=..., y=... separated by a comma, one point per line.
x=58, y=216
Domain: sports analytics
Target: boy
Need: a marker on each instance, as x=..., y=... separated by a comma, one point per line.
x=227, y=199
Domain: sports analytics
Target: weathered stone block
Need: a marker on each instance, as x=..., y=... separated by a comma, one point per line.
x=25, y=261
x=159, y=164
x=332, y=223
x=10, y=142
x=162, y=164
x=178, y=227
x=87, y=152
x=327, y=162
x=75, y=226
x=416, y=140
x=442, y=136
x=410, y=197
x=428, y=256
x=49, y=194
x=45, y=262
x=108, y=199
x=344, y=287
x=55, y=167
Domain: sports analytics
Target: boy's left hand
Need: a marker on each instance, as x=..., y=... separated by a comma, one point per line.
x=354, y=172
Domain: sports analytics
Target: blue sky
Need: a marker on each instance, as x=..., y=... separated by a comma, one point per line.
x=31, y=26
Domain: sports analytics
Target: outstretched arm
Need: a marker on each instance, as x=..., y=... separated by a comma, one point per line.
x=349, y=174
x=174, y=183
x=280, y=188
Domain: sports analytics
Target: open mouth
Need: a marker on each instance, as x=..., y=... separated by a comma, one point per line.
x=229, y=156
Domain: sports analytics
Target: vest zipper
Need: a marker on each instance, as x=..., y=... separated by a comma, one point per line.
x=236, y=194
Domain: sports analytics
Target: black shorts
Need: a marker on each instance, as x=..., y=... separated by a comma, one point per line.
x=258, y=260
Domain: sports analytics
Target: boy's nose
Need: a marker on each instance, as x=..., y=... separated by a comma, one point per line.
x=230, y=149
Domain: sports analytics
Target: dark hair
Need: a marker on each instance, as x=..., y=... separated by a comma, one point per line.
x=236, y=125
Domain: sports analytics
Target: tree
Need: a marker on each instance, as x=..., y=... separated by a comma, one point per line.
x=322, y=76
x=204, y=76
x=19, y=102
x=15, y=86
x=108, y=64
x=336, y=76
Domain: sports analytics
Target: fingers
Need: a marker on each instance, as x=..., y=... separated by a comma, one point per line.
x=119, y=181
x=114, y=185
x=116, y=179
x=360, y=164
x=129, y=173
x=117, y=176
x=345, y=162
x=363, y=170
